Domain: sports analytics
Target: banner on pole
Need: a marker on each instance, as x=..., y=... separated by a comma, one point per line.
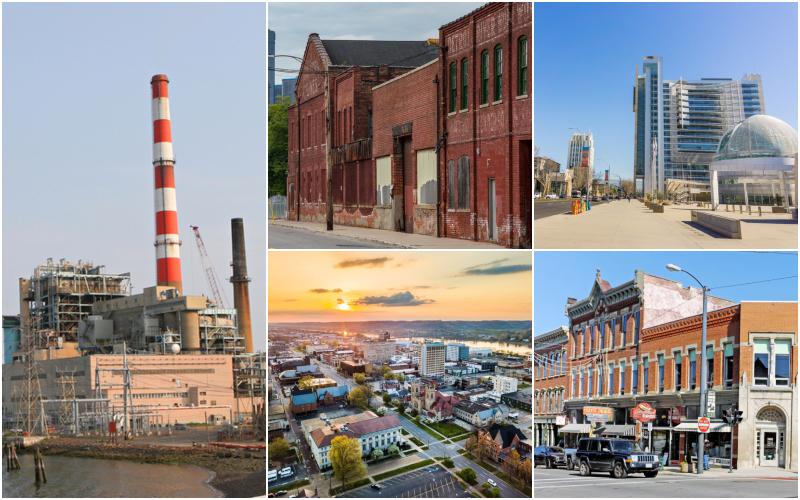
x=585, y=157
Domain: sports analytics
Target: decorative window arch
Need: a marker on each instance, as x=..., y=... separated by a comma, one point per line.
x=770, y=414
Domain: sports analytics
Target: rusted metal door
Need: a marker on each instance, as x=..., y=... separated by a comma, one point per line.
x=408, y=186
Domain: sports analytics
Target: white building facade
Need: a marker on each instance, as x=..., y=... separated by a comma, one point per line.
x=432, y=359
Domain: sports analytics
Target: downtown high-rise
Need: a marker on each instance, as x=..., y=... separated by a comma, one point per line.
x=679, y=124
x=577, y=144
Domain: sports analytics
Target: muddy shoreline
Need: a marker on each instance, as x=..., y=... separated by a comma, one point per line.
x=235, y=476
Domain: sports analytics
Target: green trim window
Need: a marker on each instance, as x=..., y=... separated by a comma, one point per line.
x=453, y=79
x=484, y=77
x=523, y=66
x=498, y=72
x=464, y=85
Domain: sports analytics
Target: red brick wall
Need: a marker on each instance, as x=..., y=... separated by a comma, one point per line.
x=766, y=317
x=499, y=129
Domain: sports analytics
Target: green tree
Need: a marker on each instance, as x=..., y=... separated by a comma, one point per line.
x=359, y=396
x=278, y=145
x=278, y=449
x=486, y=486
x=346, y=460
x=386, y=398
x=448, y=463
x=381, y=411
x=400, y=378
x=393, y=450
x=389, y=375
x=360, y=379
x=525, y=471
x=401, y=408
x=306, y=382
x=495, y=492
x=416, y=420
x=468, y=475
x=377, y=454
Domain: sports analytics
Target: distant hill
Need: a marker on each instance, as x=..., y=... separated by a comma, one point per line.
x=418, y=326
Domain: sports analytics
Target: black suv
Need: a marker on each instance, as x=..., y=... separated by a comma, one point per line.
x=620, y=457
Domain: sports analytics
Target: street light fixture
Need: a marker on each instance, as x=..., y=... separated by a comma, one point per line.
x=703, y=368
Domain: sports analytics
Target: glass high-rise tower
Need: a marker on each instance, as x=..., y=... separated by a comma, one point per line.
x=679, y=124
x=575, y=156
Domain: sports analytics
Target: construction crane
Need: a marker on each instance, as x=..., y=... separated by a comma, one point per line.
x=211, y=275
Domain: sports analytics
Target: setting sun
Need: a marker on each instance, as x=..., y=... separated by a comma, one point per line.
x=343, y=307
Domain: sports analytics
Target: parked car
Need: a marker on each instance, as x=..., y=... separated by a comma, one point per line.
x=282, y=492
x=491, y=481
x=595, y=198
x=375, y=486
x=619, y=457
x=604, y=197
x=536, y=196
x=549, y=456
x=563, y=196
x=572, y=462
x=551, y=196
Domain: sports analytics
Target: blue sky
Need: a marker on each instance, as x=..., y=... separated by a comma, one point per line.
x=77, y=138
x=558, y=275
x=585, y=57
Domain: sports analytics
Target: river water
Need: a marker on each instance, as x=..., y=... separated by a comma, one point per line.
x=71, y=477
x=516, y=348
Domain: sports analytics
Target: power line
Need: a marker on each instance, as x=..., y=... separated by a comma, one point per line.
x=754, y=282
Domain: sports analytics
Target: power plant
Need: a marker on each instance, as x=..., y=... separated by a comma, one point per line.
x=184, y=358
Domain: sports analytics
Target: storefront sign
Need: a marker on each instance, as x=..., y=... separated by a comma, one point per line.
x=643, y=412
x=676, y=415
x=597, y=413
x=561, y=420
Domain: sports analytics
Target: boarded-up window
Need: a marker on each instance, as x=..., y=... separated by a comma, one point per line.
x=351, y=183
x=463, y=182
x=426, y=177
x=383, y=171
x=366, y=185
x=338, y=177
x=451, y=184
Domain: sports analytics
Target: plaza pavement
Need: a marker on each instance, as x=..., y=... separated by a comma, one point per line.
x=631, y=225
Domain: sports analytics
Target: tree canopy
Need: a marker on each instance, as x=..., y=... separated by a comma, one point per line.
x=278, y=145
x=346, y=460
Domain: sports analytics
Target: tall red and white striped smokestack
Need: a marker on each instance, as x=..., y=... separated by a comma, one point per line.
x=168, y=255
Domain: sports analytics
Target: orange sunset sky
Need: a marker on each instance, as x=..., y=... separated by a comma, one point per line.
x=399, y=285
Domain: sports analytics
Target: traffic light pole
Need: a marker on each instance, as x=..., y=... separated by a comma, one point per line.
x=732, y=421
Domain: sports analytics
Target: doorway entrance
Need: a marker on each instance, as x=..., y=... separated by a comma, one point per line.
x=770, y=438
x=408, y=187
x=492, y=211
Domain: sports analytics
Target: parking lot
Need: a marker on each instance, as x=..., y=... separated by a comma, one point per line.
x=428, y=482
x=299, y=473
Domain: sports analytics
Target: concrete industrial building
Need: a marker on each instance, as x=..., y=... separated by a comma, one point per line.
x=679, y=124
x=181, y=355
x=504, y=385
x=432, y=359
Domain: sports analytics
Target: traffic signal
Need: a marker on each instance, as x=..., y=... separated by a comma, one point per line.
x=737, y=416
x=726, y=416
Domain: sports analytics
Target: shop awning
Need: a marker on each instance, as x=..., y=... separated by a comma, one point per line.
x=616, y=430
x=692, y=426
x=576, y=428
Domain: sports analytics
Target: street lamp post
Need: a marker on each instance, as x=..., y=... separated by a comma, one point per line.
x=703, y=369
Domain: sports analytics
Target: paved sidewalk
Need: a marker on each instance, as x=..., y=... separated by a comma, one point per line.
x=623, y=224
x=722, y=473
x=382, y=237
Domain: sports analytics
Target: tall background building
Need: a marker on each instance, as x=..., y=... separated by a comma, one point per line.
x=432, y=359
x=576, y=145
x=271, y=67
x=679, y=124
x=287, y=89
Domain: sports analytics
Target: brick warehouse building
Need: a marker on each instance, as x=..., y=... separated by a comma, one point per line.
x=355, y=66
x=397, y=179
x=752, y=363
x=486, y=116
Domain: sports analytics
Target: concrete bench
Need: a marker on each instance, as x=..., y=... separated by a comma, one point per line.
x=778, y=210
x=732, y=228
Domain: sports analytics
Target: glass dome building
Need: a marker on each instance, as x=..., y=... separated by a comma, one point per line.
x=755, y=164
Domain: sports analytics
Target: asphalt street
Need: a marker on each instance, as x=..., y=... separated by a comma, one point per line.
x=562, y=483
x=548, y=208
x=437, y=448
x=428, y=482
x=286, y=238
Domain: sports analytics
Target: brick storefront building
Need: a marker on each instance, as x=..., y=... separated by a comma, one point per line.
x=550, y=384
x=486, y=116
x=751, y=359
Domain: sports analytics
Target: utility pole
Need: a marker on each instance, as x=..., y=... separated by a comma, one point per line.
x=328, y=162
x=31, y=393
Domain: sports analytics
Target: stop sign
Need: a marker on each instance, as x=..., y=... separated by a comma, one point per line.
x=703, y=424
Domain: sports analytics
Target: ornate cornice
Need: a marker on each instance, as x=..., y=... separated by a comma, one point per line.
x=715, y=318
